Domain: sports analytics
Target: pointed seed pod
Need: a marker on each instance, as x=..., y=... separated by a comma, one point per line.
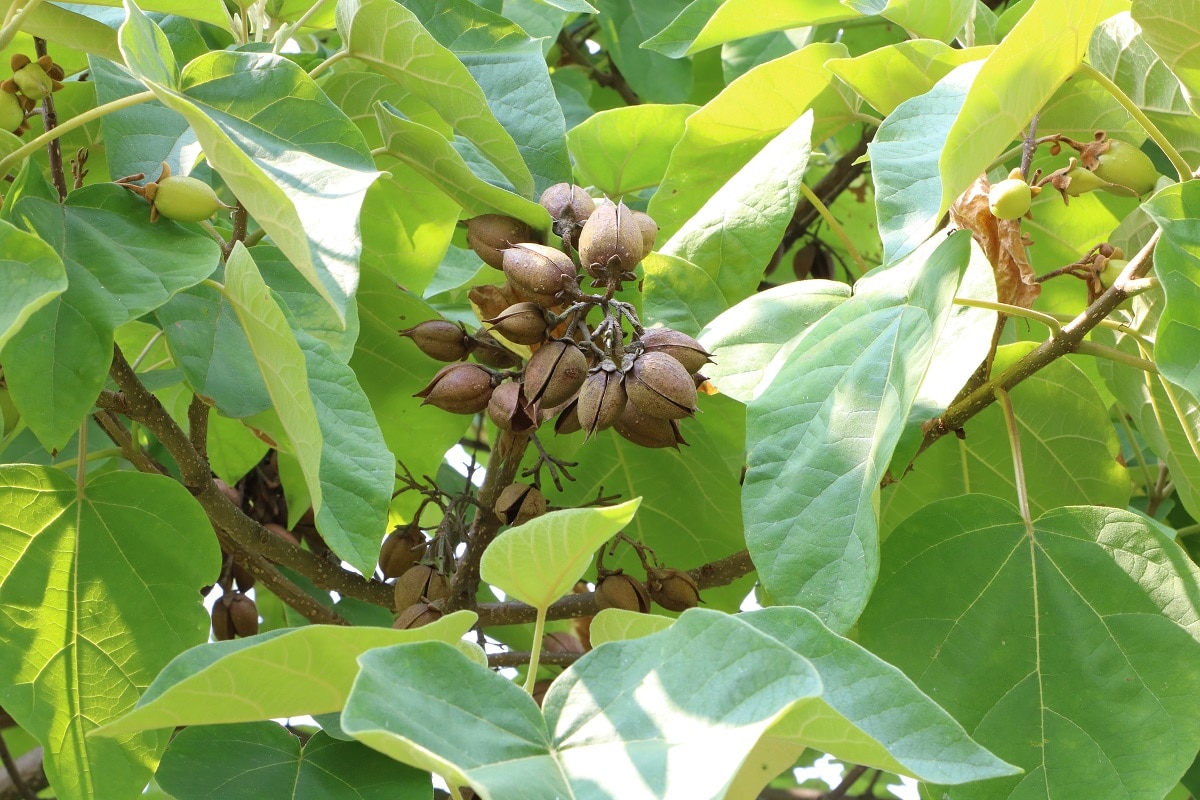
x=649, y=230
x=661, y=387
x=508, y=409
x=673, y=589
x=491, y=234
x=570, y=206
x=420, y=583
x=242, y=577
x=519, y=502
x=459, y=389
x=683, y=348
x=618, y=590
x=488, y=350
x=184, y=199
x=416, y=616
x=538, y=271
x=554, y=373
x=440, y=339
x=522, y=323
x=568, y=420
x=602, y=398
x=647, y=431
x=1127, y=167
x=611, y=241
x=234, y=614
x=401, y=550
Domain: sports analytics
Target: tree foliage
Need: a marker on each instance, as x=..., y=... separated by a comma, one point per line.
x=385, y=383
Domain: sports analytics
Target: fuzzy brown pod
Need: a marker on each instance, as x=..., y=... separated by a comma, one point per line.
x=618, y=590
x=242, y=577
x=539, y=272
x=602, y=398
x=611, y=241
x=649, y=229
x=661, y=387
x=490, y=235
x=401, y=550
x=519, y=502
x=234, y=614
x=417, y=615
x=555, y=373
x=509, y=410
x=570, y=206
x=282, y=532
x=459, y=389
x=421, y=583
x=673, y=589
x=440, y=339
x=568, y=420
x=489, y=351
x=647, y=431
x=522, y=323
x=1001, y=241
x=679, y=346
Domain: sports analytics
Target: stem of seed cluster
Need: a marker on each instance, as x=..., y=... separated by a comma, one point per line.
x=1177, y=160
x=539, y=629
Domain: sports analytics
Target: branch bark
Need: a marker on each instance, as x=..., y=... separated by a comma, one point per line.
x=832, y=184
x=613, y=80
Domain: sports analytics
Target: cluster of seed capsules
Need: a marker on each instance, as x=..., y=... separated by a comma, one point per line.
x=585, y=376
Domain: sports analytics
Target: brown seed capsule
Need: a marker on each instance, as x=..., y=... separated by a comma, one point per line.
x=440, y=339
x=673, y=589
x=554, y=373
x=401, y=550
x=523, y=323
x=234, y=614
x=561, y=642
x=568, y=420
x=421, y=583
x=282, y=533
x=538, y=271
x=242, y=577
x=601, y=398
x=519, y=502
x=649, y=230
x=491, y=234
x=509, y=410
x=611, y=241
x=647, y=431
x=661, y=387
x=459, y=389
x=489, y=351
x=416, y=616
x=539, y=690
x=570, y=206
x=618, y=590
x=683, y=348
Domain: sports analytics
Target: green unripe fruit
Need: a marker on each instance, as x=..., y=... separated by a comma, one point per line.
x=1081, y=181
x=33, y=81
x=186, y=199
x=1009, y=199
x=11, y=113
x=1112, y=271
x=1126, y=166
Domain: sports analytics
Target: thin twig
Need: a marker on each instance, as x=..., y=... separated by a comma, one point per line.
x=14, y=773
x=840, y=790
x=1029, y=147
x=613, y=80
x=513, y=658
x=50, y=122
x=844, y=172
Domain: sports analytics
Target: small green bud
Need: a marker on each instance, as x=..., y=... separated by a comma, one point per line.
x=1009, y=199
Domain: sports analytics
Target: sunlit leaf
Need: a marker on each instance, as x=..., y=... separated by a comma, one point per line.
x=624, y=150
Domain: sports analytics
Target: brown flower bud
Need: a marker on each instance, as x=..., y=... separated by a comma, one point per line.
x=509, y=410
x=234, y=614
x=673, y=589
x=681, y=347
x=601, y=398
x=649, y=230
x=554, y=373
x=459, y=389
x=618, y=590
x=491, y=234
x=489, y=351
x=647, y=431
x=538, y=271
x=519, y=502
x=421, y=583
x=523, y=323
x=416, y=616
x=401, y=550
x=568, y=420
x=570, y=206
x=440, y=339
x=611, y=241
x=661, y=387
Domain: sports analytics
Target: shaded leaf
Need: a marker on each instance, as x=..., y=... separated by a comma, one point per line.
x=617, y=625
x=32, y=274
x=1176, y=260
x=625, y=25
x=887, y=76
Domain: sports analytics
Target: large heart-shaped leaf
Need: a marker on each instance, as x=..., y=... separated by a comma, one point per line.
x=826, y=428
x=622, y=151
x=1171, y=28
x=98, y=591
x=32, y=274
x=1176, y=260
x=1047, y=640
x=238, y=680
x=263, y=759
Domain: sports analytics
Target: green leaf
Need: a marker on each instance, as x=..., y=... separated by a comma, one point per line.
x=625, y=150
x=733, y=236
x=209, y=11
x=1068, y=447
x=618, y=625
x=706, y=23
x=940, y=21
x=826, y=427
x=146, y=51
x=1176, y=259
x=391, y=40
x=887, y=76
x=72, y=31
x=307, y=310
x=303, y=185
x=670, y=715
x=1170, y=27
x=263, y=759
x=541, y=560
x=233, y=449
x=119, y=267
x=751, y=341
x=625, y=25
x=723, y=136
x=32, y=275
x=226, y=682
x=430, y=154
x=98, y=591
x=1045, y=640
x=678, y=294
x=511, y=69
